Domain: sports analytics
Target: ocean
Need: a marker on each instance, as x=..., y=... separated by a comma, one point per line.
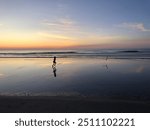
x=110, y=53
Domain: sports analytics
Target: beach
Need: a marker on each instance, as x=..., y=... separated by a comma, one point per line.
x=41, y=104
x=75, y=56
x=81, y=84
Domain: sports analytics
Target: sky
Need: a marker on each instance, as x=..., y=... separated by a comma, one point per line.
x=74, y=24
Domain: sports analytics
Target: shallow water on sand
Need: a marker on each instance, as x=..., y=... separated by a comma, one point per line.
x=87, y=77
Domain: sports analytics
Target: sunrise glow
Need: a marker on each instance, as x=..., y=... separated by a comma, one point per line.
x=70, y=24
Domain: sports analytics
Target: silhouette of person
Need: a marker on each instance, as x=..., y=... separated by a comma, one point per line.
x=54, y=66
x=54, y=60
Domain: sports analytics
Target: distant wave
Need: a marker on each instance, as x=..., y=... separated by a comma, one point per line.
x=111, y=53
x=130, y=51
x=32, y=53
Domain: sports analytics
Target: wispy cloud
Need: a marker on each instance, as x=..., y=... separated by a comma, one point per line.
x=1, y=24
x=135, y=26
x=60, y=25
x=60, y=22
x=54, y=36
x=98, y=39
x=1, y=75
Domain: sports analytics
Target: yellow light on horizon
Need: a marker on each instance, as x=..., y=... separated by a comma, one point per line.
x=45, y=40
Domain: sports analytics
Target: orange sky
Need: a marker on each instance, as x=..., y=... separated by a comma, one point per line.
x=59, y=24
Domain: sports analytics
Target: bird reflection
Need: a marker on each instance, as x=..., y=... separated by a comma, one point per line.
x=54, y=66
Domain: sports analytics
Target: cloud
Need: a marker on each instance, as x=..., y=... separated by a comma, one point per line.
x=61, y=25
x=104, y=38
x=1, y=24
x=1, y=75
x=135, y=26
x=54, y=36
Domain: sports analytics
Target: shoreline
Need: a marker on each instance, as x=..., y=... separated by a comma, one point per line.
x=94, y=56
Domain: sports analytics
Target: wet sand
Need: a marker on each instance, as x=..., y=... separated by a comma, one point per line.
x=74, y=85
x=70, y=105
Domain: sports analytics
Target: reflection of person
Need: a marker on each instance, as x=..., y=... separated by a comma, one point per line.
x=54, y=66
x=54, y=71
